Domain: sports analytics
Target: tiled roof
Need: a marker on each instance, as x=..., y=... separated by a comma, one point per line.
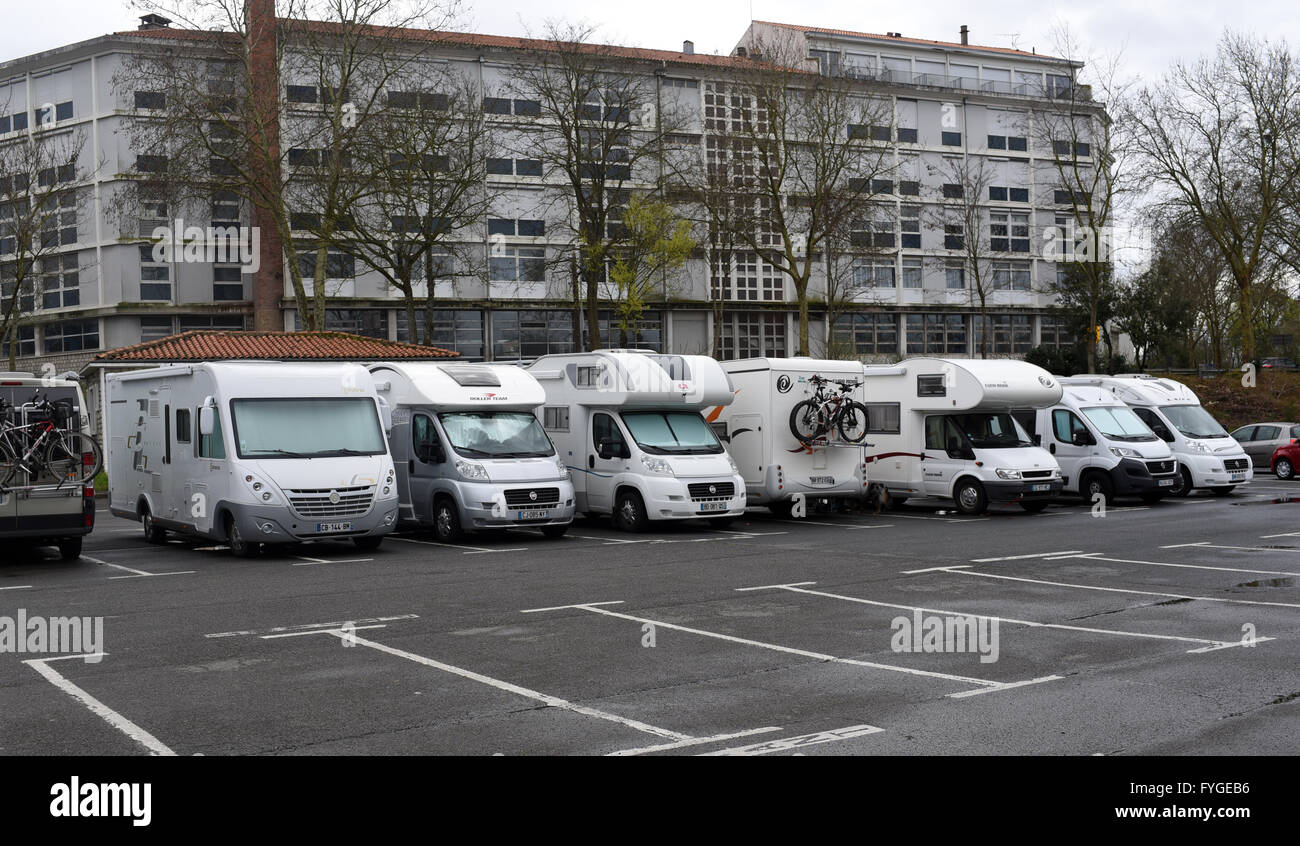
x=922, y=41
x=203, y=345
x=472, y=39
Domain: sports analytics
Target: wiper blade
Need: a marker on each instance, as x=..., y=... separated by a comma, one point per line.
x=343, y=451
x=289, y=453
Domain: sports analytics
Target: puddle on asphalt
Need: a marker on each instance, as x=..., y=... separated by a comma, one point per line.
x=1286, y=582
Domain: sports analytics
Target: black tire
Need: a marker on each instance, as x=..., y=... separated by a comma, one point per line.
x=1097, y=483
x=783, y=509
x=721, y=522
x=1283, y=469
x=1034, y=506
x=446, y=521
x=1182, y=483
x=152, y=532
x=807, y=421
x=894, y=502
x=70, y=549
x=1223, y=490
x=8, y=465
x=239, y=545
x=629, y=512
x=368, y=544
x=970, y=497
x=554, y=531
x=1151, y=497
x=853, y=422
x=64, y=453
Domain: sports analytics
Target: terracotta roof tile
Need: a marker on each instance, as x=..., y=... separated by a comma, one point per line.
x=205, y=345
x=925, y=41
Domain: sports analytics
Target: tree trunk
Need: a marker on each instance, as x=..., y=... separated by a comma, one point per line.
x=593, y=314
x=1246, y=305
x=408, y=298
x=318, y=287
x=576, y=290
x=801, y=290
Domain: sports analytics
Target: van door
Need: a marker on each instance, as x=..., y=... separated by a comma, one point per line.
x=745, y=443
x=427, y=463
x=212, y=479
x=1073, y=457
x=943, y=456
x=601, y=469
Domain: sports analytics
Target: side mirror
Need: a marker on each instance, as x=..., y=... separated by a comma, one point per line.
x=1037, y=439
x=207, y=420
x=430, y=453
x=605, y=449
x=385, y=415
x=1080, y=439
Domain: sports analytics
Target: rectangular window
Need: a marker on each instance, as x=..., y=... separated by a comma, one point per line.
x=909, y=188
x=953, y=191
x=518, y=264
x=60, y=281
x=950, y=139
x=155, y=276
x=882, y=186
x=884, y=418
x=912, y=270
x=74, y=336
x=954, y=236
x=936, y=334
x=954, y=277
x=997, y=142
x=227, y=283
x=931, y=386
x=532, y=333
x=910, y=224
x=155, y=328
x=997, y=193
x=300, y=93
x=555, y=418
x=150, y=100
x=1018, y=144
x=873, y=273
x=213, y=446
x=906, y=136
x=182, y=425
x=1018, y=195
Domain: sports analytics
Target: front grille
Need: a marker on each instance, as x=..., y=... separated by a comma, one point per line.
x=315, y=502
x=711, y=490
x=1236, y=463
x=523, y=497
x=1037, y=474
x=1156, y=468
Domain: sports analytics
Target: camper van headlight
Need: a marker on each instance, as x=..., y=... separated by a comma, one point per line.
x=657, y=465
x=471, y=470
x=262, y=491
x=734, y=468
x=560, y=466
x=1007, y=474
x=1124, y=452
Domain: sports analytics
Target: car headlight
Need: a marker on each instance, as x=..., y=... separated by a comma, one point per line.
x=1197, y=446
x=1007, y=474
x=657, y=465
x=471, y=470
x=734, y=468
x=560, y=466
x=262, y=491
x=1124, y=452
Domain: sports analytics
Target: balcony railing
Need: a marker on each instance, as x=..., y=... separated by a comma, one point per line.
x=963, y=83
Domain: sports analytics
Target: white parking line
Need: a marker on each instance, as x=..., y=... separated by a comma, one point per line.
x=985, y=685
x=787, y=743
x=1126, y=590
x=113, y=718
x=307, y=562
x=16, y=587
x=471, y=550
x=1097, y=556
x=322, y=626
x=1022, y=557
x=1283, y=535
x=1208, y=643
x=694, y=741
x=1208, y=545
x=135, y=574
x=118, y=566
x=929, y=569
x=153, y=575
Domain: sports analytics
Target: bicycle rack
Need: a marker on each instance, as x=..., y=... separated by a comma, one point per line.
x=27, y=414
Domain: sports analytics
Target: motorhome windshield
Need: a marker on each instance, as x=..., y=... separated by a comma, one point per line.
x=1119, y=423
x=496, y=434
x=307, y=427
x=672, y=432
x=991, y=430
x=1193, y=421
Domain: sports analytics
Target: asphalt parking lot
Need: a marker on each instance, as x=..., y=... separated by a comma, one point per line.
x=1163, y=629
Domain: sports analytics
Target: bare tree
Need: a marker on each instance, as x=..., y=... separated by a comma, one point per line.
x=40, y=209
x=1213, y=136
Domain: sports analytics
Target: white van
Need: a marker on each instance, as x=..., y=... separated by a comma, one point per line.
x=469, y=453
x=44, y=510
x=1208, y=457
x=943, y=428
x=1102, y=446
x=774, y=463
x=628, y=425
x=250, y=453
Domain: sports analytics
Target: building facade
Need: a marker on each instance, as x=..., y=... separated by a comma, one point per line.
x=946, y=105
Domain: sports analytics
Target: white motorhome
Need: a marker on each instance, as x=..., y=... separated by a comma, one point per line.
x=628, y=425
x=774, y=463
x=44, y=510
x=1103, y=447
x=250, y=453
x=943, y=428
x=1208, y=457
x=469, y=452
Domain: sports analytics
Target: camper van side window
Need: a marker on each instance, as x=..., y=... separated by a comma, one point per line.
x=931, y=386
x=603, y=427
x=424, y=437
x=588, y=377
x=212, y=446
x=1156, y=425
x=555, y=418
x=1065, y=424
x=182, y=425
x=883, y=418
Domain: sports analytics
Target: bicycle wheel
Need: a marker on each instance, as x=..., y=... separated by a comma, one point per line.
x=8, y=465
x=807, y=421
x=73, y=457
x=852, y=422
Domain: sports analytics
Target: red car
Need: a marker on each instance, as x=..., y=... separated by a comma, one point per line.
x=1286, y=459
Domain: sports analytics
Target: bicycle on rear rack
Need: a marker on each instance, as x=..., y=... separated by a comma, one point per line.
x=46, y=448
x=827, y=411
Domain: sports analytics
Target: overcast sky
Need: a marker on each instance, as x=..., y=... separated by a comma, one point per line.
x=1151, y=34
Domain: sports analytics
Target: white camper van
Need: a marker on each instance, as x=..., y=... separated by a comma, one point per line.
x=1102, y=446
x=1208, y=457
x=628, y=425
x=250, y=453
x=945, y=430
x=469, y=453
x=774, y=463
x=36, y=508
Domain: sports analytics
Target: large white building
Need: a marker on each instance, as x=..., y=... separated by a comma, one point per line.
x=947, y=102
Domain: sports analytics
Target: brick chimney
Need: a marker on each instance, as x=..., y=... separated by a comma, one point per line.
x=268, y=282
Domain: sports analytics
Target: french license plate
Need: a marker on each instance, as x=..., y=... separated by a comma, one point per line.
x=325, y=528
x=713, y=506
x=1040, y=487
x=534, y=515
x=821, y=480
x=1165, y=483
x=1236, y=477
